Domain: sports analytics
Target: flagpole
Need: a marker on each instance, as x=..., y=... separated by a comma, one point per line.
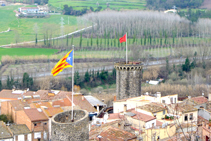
x=72, y=81
x=126, y=48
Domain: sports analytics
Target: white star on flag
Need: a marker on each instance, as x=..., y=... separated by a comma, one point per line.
x=68, y=58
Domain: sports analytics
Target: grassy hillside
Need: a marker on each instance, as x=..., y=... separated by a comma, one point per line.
x=22, y=29
x=113, y=4
x=26, y=51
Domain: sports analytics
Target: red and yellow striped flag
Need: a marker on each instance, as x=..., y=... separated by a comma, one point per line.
x=65, y=62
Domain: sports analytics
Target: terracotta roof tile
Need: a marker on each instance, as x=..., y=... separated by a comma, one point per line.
x=159, y=123
x=3, y=129
x=39, y=104
x=115, y=116
x=35, y=115
x=200, y=99
x=115, y=134
x=141, y=116
x=183, y=107
x=52, y=111
x=82, y=103
x=18, y=129
x=7, y=94
x=62, y=102
x=18, y=105
x=153, y=107
x=44, y=95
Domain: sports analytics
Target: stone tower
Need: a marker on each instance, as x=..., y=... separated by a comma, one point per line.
x=62, y=129
x=128, y=79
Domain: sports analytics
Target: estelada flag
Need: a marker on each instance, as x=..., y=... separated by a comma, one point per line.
x=65, y=62
x=122, y=39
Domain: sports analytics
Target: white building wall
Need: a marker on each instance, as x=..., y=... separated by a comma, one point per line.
x=149, y=123
x=29, y=137
x=21, y=138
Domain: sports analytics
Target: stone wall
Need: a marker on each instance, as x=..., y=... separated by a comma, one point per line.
x=63, y=129
x=128, y=79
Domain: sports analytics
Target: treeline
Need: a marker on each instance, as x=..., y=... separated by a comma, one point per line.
x=167, y=4
x=70, y=11
x=194, y=15
x=26, y=82
x=88, y=80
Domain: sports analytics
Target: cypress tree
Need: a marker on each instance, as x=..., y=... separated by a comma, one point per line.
x=36, y=40
x=97, y=42
x=91, y=40
x=80, y=42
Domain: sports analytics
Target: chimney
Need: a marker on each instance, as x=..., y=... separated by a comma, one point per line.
x=125, y=107
x=189, y=97
x=209, y=97
x=114, y=98
x=82, y=98
x=102, y=100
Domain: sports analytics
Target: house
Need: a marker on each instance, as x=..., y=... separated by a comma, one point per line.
x=5, y=133
x=20, y=132
x=37, y=122
x=138, y=119
x=157, y=110
x=8, y=95
x=120, y=105
x=111, y=131
x=11, y=108
x=151, y=128
x=198, y=102
x=80, y=101
x=206, y=131
x=29, y=9
x=184, y=111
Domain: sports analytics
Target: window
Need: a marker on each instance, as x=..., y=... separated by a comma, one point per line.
x=186, y=117
x=164, y=112
x=171, y=100
x=163, y=101
x=153, y=124
x=45, y=123
x=35, y=124
x=175, y=100
x=191, y=116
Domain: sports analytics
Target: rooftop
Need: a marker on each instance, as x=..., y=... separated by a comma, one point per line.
x=18, y=105
x=40, y=104
x=200, y=99
x=183, y=107
x=52, y=111
x=94, y=101
x=35, y=115
x=141, y=116
x=18, y=129
x=47, y=95
x=12, y=95
x=153, y=107
x=80, y=101
x=62, y=102
x=112, y=133
x=4, y=131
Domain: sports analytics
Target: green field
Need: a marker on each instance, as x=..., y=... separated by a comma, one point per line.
x=26, y=51
x=23, y=29
x=113, y=4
